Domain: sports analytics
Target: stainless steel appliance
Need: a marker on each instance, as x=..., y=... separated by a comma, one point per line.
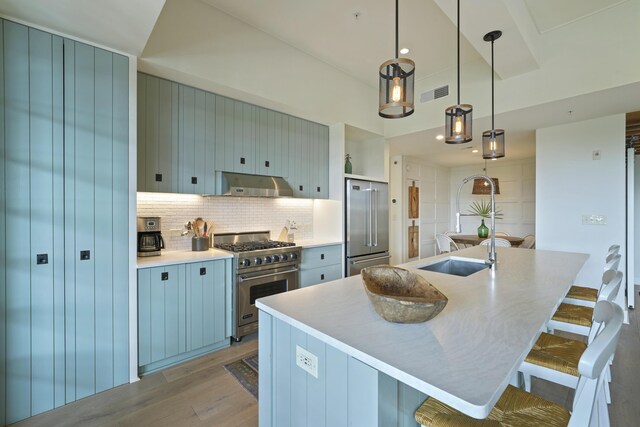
x=239, y=184
x=262, y=267
x=150, y=240
x=367, y=230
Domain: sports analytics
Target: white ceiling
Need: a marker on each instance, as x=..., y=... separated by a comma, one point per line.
x=329, y=31
x=123, y=25
x=551, y=14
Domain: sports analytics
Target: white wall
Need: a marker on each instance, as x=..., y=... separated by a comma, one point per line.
x=637, y=219
x=433, y=183
x=516, y=201
x=570, y=183
x=197, y=44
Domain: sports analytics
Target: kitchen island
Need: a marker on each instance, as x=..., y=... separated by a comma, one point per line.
x=373, y=372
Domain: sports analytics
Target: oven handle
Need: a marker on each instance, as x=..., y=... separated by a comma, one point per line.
x=370, y=259
x=245, y=278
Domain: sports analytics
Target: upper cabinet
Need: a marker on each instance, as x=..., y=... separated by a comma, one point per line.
x=185, y=135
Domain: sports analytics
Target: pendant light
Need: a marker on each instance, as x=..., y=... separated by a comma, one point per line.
x=396, y=85
x=458, y=117
x=492, y=140
x=482, y=187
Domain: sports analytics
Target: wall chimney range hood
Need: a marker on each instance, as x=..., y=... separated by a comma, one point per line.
x=244, y=185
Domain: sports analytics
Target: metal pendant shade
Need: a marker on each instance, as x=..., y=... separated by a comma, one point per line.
x=459, y=117
x=492, y=140
x=397, y=79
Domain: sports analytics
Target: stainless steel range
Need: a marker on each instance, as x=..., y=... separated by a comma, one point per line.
x=263, y=267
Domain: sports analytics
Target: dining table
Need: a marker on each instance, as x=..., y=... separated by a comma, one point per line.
x=473, y=239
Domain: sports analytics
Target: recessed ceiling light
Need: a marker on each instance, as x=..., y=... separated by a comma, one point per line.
x=440, y=137
x=404, y=50
x=494, y=159
x=474, y=151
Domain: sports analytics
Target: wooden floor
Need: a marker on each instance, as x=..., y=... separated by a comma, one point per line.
x=202, y=393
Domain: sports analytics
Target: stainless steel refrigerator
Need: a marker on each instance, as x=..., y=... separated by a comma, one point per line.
x=367, y=230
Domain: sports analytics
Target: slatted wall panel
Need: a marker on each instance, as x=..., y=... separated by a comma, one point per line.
x=346, y=392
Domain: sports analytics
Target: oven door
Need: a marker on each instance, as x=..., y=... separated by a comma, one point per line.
x=258, y=284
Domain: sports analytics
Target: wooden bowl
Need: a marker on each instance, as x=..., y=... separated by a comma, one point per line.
x=401, y=296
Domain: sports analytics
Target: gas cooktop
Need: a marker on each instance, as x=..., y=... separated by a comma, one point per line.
x=253, y=245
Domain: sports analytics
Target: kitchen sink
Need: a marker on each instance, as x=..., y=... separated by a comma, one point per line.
x=457, y=266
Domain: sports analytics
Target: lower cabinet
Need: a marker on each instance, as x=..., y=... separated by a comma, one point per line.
x=184, y=311
x=320, y=264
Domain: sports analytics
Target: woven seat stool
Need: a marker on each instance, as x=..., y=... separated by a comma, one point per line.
x=519, y=408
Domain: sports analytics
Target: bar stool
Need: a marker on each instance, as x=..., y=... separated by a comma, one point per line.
x=578, y=319
x=518, y=408
x=586, y=296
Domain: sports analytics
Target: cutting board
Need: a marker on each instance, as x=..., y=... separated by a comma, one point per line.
x=414, y=201
x=414, y=239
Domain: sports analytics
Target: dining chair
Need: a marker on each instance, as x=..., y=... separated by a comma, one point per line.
x=501, y=233
x=499, y=242
x=529, y=242
x=588, y=296
x=445, y=244
x=516, y=407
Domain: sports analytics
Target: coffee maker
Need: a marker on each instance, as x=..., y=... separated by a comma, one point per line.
x=150, y=240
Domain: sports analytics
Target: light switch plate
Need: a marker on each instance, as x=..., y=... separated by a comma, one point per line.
x=593, y=219
x=307, y=361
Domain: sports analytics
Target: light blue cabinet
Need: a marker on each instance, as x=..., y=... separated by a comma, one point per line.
x=64, y=219
x=185, y=135
x=320, y=265
x=273, y=143
x=184, y=311
x=157, y=134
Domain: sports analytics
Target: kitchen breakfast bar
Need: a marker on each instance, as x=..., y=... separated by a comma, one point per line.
x=365, y=371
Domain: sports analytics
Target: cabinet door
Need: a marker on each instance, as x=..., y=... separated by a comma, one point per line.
x=161, y=313
x=192, y=125
x=245, y=137
x=299, y=156
x=319, y=165
x=157, y=134
x=272, y=146
x=32, y=377
x=206, y=301
x=96, y=231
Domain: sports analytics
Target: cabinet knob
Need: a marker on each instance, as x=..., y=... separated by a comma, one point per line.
x=194, y=179
x=322, y=277
x=318, y=189
x=266, y=164
x=158, y=177
x=85, y=255
x=203, y=271
x=321, y=256
x=42, y=259
x=301, y=188
x=164, y=276
x=242, y=160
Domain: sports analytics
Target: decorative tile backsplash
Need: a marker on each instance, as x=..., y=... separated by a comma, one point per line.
x=228, y=214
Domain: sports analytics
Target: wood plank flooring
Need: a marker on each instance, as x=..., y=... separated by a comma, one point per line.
x=201, y=393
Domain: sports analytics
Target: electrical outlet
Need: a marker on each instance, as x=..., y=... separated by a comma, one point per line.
x=307, y=361
x=175, y=232
x=591, y=219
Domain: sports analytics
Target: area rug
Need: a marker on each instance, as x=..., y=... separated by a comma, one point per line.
x=245, y=371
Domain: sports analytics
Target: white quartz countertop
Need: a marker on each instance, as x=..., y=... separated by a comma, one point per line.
x=467, y=354
x=316, y=243
x=181, y=257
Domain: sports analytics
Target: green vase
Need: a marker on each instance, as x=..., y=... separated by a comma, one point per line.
x=483, y=230
x=347, y=164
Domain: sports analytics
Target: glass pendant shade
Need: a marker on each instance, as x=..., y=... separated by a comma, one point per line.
x=458, y=124
x=482, y=187
x=397, y=78
x=493, y=144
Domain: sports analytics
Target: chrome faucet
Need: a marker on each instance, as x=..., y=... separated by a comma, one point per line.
x=492, y=259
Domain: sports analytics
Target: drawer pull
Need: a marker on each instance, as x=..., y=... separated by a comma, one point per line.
x=203, y=271
x=322, y=277
x=158, y=177
x=321, y=256
x=164, y=276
